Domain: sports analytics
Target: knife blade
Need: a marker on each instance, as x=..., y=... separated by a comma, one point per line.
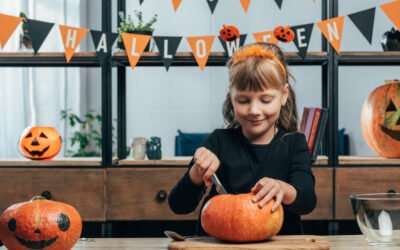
x=218, y=185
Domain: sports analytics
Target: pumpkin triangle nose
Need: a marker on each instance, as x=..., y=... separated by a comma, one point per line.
x=35, y=142
x=37, y=231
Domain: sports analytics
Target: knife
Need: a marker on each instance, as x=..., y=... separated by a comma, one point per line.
x=218, y=186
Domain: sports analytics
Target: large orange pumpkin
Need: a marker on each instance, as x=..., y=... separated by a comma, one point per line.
x=380, y=119
x=40, y=143
x=236, y=218
x=40, y=224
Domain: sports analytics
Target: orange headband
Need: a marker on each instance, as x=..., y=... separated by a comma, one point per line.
x=256, y=51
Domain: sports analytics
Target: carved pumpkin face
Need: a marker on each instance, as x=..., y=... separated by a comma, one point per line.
x=236, y=218
x=229, y=33
x=284, y=34
x=40, y=143
x=40, y=224
x=380, y=119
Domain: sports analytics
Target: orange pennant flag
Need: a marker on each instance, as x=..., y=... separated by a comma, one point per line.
x=134, y=46
x=266, y=36
x=72, y=37
x=245, y=4
x=7, y=27
x=392, y=11
x=201, y=48
x=176, y=4
x=332, y=29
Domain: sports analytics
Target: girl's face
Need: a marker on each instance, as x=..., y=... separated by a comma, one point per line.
x=258, y=111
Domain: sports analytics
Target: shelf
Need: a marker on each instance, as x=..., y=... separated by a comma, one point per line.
x=58, y=162
x=47, y=59
x=215, y=59
x=368, y=161
x=369, y=58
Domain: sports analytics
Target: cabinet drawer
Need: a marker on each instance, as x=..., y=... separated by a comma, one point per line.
x=142, y=193
x=362, y=180
x=324, y=191
x=83, y=188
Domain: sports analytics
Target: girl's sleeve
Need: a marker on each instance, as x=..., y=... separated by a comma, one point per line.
x=301, y=177
x=185, y=196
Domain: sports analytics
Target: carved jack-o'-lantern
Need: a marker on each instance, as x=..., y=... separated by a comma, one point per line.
x=284, y=34
x=229, y=33
x=380, y=119
x=40, y=143
x=40, y=224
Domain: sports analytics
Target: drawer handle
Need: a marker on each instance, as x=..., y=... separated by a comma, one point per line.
x=161, y=196
x=47, y=194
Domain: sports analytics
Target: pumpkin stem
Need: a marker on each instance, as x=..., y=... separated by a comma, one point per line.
x=392, y=81
x=38, y=197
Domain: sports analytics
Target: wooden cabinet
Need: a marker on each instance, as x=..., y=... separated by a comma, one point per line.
x=82, y=188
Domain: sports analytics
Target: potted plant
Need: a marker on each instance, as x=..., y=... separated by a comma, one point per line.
x=25, y=39
x=128, y=25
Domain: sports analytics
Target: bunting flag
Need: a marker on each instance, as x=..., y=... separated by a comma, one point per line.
x=103, y=43
x=332, y=29
x=279, y=3
x=38, y=31
x=201, y=48
x=231, y=47
x=176, y=3
x=364, y=21
x=302, y=38
x=134, y=46
x=140, y=2
x=71, y=37
x=392, y=11
x=265, y=36
x=212, y=4
x=167, y=46
x=245, y=4
x=8, y=24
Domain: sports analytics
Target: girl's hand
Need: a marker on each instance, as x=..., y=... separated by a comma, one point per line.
x=266, y=189
x=205, y=164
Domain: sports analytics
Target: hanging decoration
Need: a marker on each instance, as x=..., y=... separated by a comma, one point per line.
x=284, y=34
x=265, y=36
x=302, y=38
x=212, y=4
x=103, y=43
x=392, y=11
x=176, y=4
x=71, y=37
x=7, y=27
x=279, y=3
x=332, y=29
x=140, y=2
x=245, y=4
x=229, y=33
x=201, y=48
x=364, y=21
x=38, y=32
x=167, y=46
x=231, y=46
x=134, y=46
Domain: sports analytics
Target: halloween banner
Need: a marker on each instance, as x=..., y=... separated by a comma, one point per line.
x=176, y=3
x=332, y=29
x=279, y=3
x=201, y=48
x=364, y=21
x=167, y=46
x=212, y=4
x=265, y=36
x=103, y=43
x=71, y=37
x=392, y=11
x=38, y=32
x=302, y=37
x=140, y=2
x=134, y=46
x=245, y=4
x=7, y=27
x=231, y=46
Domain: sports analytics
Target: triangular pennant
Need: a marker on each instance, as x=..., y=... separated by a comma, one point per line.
x=176, y=4
x=140, y=2
x=201, y=48
x=134, y=46
x=167, y=46
x=245, y=4
x=265, y=36
x=212, y=4
x=302, y=37
x=8, y=24
x=392, y=11
x=103, y=43
x=332, y=29
x=231, y=47
x=38, y=32
x=364, y=21
x=279, y=3
x=71, y=37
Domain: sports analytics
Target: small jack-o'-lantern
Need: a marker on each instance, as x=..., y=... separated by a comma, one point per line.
x=229, y=33
x=380, y=119
x=284, y=34
x=40, y=143
x=40, y=224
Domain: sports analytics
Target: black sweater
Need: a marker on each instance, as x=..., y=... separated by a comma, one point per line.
x=242, y=164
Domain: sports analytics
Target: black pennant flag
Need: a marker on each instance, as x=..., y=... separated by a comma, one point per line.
x=103, y=42
x=212, y=4
x=38, y=32
x=232, y=46
x=279, y=3
x=140, y=2
x=364, y=21
x=302, y=37
x=167, y=46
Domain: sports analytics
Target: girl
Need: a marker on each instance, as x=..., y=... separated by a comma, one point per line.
x=260, y=151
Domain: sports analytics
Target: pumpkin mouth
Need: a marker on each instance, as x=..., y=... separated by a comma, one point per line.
x=40, y=244
x=37, y=152
x=394, y=134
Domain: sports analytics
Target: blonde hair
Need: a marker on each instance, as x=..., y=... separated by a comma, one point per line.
x=256, y=67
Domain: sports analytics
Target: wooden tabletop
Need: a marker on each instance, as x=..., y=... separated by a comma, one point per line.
x=346, y=242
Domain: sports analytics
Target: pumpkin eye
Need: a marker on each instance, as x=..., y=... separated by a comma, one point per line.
x=391, y=107
x=12, y=225
x=63, y=222
x=29, y=135
x=42, y=135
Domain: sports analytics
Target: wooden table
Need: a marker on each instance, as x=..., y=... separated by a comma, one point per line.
x=347, y=242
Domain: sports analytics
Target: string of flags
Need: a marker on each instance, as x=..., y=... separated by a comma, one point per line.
x=201, y=46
